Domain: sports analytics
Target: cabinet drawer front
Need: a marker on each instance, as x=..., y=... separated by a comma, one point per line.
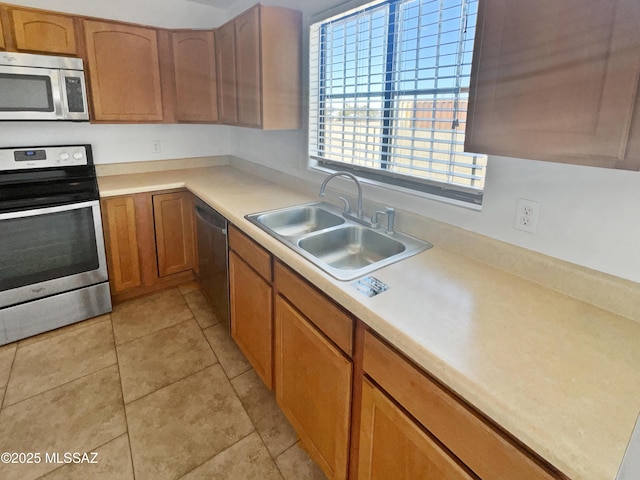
x=251, y=252
x=482, y=448
x=322, y=312
x=392, y=445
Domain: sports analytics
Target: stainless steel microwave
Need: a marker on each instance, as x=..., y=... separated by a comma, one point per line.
x=41, y=87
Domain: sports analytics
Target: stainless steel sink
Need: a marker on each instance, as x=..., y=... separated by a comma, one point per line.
x=340, y=246
x=298, y=220
x=351, y=247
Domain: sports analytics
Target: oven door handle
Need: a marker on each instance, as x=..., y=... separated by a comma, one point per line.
x=30, y=212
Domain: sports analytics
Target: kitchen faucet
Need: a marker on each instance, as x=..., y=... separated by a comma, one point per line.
x=359, y=216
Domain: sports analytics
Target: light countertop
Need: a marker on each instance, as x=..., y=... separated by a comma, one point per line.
x=559, y=374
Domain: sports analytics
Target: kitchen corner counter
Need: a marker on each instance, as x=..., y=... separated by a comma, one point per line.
x=560, y=375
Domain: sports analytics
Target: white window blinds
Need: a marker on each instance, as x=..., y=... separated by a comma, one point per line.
x=389, y=87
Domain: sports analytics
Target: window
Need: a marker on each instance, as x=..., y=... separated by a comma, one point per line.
x=389, y=86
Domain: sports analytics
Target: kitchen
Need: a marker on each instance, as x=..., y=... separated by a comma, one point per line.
x=586, y=213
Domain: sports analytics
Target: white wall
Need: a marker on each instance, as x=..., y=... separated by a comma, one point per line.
x=122, y=143
x=589, y=216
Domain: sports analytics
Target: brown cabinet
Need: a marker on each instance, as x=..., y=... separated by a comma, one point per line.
x=313, y=376
x=471, y=438
x=226, y=67
x=119, y=218
x=556, y=81
x=247, y=27
x=259, y=62
x=392, y=445
x=124, y=72
x=44, y=32
x=3, y=46
x=173, y=220
x=149, y=241
x=251, y=302
x=195, y=76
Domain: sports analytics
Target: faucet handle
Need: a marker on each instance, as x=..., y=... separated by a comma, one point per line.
x=347, y=207
x=390, y=212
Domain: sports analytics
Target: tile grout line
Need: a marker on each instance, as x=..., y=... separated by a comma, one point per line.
x=60, y=385
x=76, y=327
x=124, y=406
x=153, y=332
x=258, y=431
x=6, y=387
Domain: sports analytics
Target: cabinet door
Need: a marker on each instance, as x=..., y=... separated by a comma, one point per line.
x=44, y=32
x=251, y=316
x=555, y=80
x=392, y=446
x=173, y=219
x=248, y=68
x=2, y=44
x=313, y=388
x=195, y=75
x=124, y=72
x=226, y=66
x=121, y=243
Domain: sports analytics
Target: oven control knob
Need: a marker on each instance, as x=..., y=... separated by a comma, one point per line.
x=78, y=155
x=64, y=156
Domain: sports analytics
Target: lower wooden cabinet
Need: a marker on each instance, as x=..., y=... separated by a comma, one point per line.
x=149, y=241
x=122, y=243
x=469, y=436
x=173, y=220
x=393, y=446
x=251, y=316
x=313, y=388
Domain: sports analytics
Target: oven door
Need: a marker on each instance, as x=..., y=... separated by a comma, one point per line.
x=50, y=250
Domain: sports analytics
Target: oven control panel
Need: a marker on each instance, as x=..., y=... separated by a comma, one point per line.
x=42, y=157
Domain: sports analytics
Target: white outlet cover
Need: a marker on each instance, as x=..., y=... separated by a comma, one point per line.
x=527, y=214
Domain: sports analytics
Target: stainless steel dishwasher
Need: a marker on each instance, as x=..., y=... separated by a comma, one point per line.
x=213, y=257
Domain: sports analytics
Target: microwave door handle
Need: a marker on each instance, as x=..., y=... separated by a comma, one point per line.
x=57, y=93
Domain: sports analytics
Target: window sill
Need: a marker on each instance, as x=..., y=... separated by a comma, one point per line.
x=313, y=166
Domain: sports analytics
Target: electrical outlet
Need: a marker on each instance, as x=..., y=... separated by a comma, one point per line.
x=155, y=146
x=527, y=213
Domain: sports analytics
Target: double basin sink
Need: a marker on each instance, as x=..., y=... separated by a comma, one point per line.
x=343, y=248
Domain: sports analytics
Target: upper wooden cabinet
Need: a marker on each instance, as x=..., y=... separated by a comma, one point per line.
x=44, y=32
x=195, y=76
x=2, y=43
x=556, y=81
x=124, y=72
x=247, y=27
x=259, y=59
x=226, y=66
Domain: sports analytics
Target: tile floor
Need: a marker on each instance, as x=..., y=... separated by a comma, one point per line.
x=157, y=388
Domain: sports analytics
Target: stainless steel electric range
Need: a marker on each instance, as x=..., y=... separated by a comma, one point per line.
x=53, y=268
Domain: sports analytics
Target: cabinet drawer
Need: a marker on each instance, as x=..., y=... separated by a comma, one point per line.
x=251, y=252
x=487, y=452
x=324, y=314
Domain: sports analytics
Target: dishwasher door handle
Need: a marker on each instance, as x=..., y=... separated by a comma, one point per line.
x=200, y=214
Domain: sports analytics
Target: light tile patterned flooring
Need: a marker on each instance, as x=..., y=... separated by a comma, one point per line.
x=157, y=388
